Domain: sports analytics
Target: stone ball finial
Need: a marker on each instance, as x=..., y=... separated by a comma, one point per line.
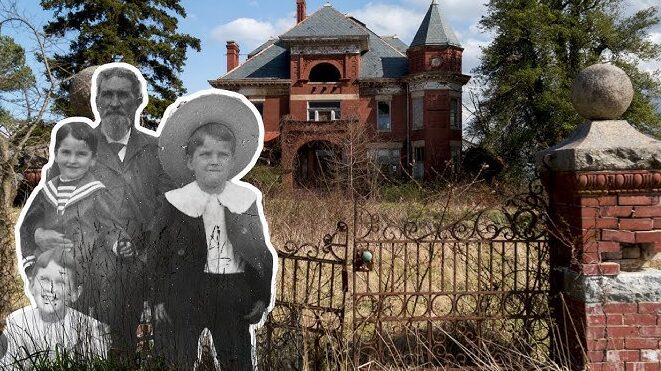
x=80, y=92
x=602, y=92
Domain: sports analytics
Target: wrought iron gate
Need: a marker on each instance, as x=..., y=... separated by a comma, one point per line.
x=422, y=291
x=427, y=293
x=307, y=322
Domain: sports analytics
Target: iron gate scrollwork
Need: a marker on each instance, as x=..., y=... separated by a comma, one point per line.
x=424, y=290
x=308, y=318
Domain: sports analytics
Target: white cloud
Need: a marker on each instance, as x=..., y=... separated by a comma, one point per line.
x=250, y=32
x=390, y=20
x=461, y=10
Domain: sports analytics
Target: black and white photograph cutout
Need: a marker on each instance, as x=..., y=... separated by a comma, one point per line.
x=141, y=243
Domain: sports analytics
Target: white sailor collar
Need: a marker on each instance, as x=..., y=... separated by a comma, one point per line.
x=191, y=200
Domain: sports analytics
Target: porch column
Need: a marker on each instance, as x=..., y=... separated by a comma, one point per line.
x=604, y=184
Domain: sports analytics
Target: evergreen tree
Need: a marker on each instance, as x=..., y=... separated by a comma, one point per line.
x=140, y=32
x=538, y=49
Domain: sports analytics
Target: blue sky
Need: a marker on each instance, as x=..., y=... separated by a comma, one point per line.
x=250, y=22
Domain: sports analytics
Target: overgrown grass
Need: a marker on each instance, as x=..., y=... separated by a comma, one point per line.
x=305, y=217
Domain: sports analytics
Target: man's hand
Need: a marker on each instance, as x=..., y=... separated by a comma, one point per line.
x=124, y=248
x=160, y=314
x=48, y=239
x=256, y=313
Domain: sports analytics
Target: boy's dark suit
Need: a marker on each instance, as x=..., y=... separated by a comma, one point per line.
x=195, y=299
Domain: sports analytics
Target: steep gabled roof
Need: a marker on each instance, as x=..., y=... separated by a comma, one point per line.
x=325, y=23
x=435, y=29
x=265, y=45
x=396, y=43
x=384, y=57
x=270, y=63
x=382, y=60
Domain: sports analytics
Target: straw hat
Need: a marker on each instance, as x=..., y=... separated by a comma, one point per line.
x=187, y=114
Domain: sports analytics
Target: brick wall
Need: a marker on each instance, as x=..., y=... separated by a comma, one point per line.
x=608, y=230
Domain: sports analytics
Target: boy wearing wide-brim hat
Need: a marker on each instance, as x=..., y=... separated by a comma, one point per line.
x=213, y=264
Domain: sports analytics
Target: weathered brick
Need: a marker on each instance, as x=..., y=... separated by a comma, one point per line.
x=614, y=319
x=648, y=236
x=601, y=223
x=650, y=355
x=643, y=366
x=618, y=236
x=649, y=307
x=601, y=269
x=650, y=331
x=596, y=332
x=595, y=356
x=640, y=319
x=589, y=212
x=608, y=246
x=616, y=211
x=647, y=211
x=636, y=224
x=620, y=308
x=621, y=331
x=590, y=257
x=597, y=344
x=626, y=355
x=625, y=200
x=596, y=308
x=640, y=343
x=657, y=223
x=596, y=319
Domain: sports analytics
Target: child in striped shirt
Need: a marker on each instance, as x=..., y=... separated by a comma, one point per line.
x=74, y=209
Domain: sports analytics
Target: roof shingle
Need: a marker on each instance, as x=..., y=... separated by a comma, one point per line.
x=435, y=29
x=327, y=22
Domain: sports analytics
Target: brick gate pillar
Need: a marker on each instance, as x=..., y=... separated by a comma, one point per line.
x=604, y=185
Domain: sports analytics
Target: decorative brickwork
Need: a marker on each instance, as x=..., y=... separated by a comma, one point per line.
x=608, y=224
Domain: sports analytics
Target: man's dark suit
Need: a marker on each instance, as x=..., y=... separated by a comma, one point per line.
x=136, y=186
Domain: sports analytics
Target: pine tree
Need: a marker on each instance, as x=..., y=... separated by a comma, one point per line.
x=539, y=48
x=140, y=32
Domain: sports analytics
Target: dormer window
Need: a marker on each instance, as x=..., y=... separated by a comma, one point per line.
x=323, y=111
x=324, y=72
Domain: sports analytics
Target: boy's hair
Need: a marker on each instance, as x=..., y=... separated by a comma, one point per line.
x=60, y=257
x=219, y=132
x=77, y=130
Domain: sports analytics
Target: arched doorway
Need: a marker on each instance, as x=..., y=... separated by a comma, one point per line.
x=316, y=165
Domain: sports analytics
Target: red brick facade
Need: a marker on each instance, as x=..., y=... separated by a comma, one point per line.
x=431, y=72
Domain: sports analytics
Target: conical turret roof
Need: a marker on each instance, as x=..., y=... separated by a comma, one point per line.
x=435, y=30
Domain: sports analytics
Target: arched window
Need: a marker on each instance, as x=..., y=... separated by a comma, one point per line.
x=324, y=72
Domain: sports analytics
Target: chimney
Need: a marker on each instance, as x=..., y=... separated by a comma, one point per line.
x=300, y=11
x=232, y=55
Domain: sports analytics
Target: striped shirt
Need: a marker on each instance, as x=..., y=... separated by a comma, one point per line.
x=66, y=193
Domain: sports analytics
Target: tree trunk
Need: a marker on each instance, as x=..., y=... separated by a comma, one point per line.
x=10, y=287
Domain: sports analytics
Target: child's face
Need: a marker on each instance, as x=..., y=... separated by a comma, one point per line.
x=73, y=158
x=211, y=162
x=53, y=287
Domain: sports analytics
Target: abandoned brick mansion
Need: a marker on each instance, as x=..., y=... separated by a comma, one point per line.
x=331, y=71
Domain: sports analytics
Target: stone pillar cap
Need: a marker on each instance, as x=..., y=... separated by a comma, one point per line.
x=601, y=94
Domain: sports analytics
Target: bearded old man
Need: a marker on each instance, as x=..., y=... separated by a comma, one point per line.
x=127, y=164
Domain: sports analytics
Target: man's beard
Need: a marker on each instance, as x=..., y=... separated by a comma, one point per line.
x=115, y=126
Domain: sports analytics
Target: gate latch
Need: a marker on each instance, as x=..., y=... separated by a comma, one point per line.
x=362, y=262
